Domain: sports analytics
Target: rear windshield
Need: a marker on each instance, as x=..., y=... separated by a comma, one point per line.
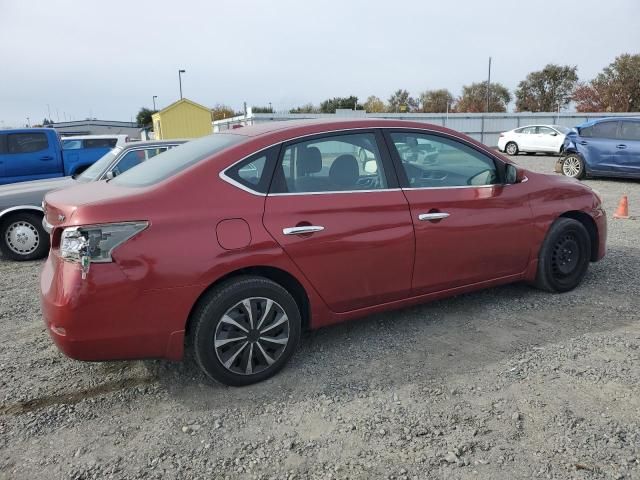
x=176, y=160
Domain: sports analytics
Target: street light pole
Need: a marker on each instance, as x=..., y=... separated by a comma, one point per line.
x=154, y=101
x=180, y=72
x=488, y=84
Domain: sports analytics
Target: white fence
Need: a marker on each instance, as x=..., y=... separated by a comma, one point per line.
x=484, y=127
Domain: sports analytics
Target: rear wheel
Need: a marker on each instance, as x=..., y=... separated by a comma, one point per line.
x=573, y=166
x=511, y=148
x=245, y=330
x=564, y=257
x=22, y=237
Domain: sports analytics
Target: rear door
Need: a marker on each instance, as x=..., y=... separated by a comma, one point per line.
x=469, y=227
x=335, y=208
x=30, y=156
x=628, y=148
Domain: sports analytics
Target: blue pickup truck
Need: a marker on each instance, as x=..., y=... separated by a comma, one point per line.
x=37, y=153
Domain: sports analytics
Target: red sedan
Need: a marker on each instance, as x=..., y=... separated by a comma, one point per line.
x=232, y=244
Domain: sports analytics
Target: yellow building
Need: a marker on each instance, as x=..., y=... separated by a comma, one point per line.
x=182, y=119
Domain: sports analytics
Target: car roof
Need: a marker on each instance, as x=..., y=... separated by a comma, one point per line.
x=320, y=125
x=589, y=123
x=91, y=137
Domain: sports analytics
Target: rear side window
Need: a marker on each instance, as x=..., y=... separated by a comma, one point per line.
x=630, y=130
x=26, y=142
x=100, y=142
x=177, y=159
x=605, y=130
x=71, y=144
x=253, y=172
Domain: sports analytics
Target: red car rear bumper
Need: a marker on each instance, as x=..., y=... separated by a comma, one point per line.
x=106, y=317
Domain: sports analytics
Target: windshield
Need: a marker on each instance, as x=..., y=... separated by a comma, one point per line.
x=177, y=159
x=561, y=129
x=94, y=171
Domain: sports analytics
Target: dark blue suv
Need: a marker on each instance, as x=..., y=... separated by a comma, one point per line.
x=608, y=147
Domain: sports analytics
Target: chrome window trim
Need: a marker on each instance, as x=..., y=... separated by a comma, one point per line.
x=456, y=187
x=125, y=150
x=224, y=177
x=20, y=207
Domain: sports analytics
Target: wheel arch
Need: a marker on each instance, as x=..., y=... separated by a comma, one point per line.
x=278, y=275
x=589, y=223
x=20, y=208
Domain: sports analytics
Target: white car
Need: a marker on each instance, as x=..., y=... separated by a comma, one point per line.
x=533, y=139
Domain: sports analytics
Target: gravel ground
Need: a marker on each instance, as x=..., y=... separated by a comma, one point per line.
x=505, y=383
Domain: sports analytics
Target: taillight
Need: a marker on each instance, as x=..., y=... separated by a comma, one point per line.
x=502, y=134
x=94, y=243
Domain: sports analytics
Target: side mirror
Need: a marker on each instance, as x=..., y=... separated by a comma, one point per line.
x=513, y=174
x=371, y=166
x=110, y=175
x=554, y=134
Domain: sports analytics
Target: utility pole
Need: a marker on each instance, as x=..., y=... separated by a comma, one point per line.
x=488, y=84
x=180, y=72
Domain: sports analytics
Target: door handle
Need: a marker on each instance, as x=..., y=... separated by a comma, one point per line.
x=622, y=146
x=432, y=216
x=45, y=158
x=583, y=143
x=302, y=229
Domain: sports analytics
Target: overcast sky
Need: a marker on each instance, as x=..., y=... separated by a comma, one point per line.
x=107, y=59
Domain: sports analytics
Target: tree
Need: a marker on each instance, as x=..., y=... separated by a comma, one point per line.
x=544, y=90
x=144, y=116
x=474, y=98
x=307, y=108
x=332, y=104
x=47, y=121
x=220, y=112
x=374, y=105
x=401, y=101
x=436, y=101
x=615, y=89
x=262, y=109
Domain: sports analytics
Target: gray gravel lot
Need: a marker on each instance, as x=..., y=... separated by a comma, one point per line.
x=506, y=383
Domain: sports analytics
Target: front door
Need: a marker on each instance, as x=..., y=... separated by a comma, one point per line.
x=469, y=227
x=600, y=142
x=335, y=208
x=30, y=156
x=628, y=148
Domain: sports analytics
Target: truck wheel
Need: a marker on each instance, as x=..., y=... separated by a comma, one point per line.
x=22, y=237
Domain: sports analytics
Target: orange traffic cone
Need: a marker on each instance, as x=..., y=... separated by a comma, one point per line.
x=623, y=209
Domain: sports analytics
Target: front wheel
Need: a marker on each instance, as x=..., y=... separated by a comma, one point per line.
x=22, y=237
x=573, y=166
x=564, y=257
x=511, y=148
x=245, y=330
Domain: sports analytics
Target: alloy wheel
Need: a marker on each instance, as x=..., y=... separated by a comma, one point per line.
x=512, y=149
x=251, y=335
x=571, y=166
x=22, y=237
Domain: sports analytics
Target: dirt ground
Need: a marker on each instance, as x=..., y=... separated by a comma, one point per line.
x=506, y=383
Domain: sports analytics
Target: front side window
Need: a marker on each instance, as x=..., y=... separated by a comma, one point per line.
x=26, y=142
x=349, y=162
x=452, y=164
x=605, y=130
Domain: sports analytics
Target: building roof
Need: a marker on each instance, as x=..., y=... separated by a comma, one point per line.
x=180, y=102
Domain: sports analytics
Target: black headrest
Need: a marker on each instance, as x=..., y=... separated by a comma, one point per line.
x=309, y=161
x=344, y=171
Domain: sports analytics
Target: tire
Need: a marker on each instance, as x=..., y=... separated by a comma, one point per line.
x=564, y=257
x=511, y=148
x=226, y=360
x=573, y=166
x=22, y=237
